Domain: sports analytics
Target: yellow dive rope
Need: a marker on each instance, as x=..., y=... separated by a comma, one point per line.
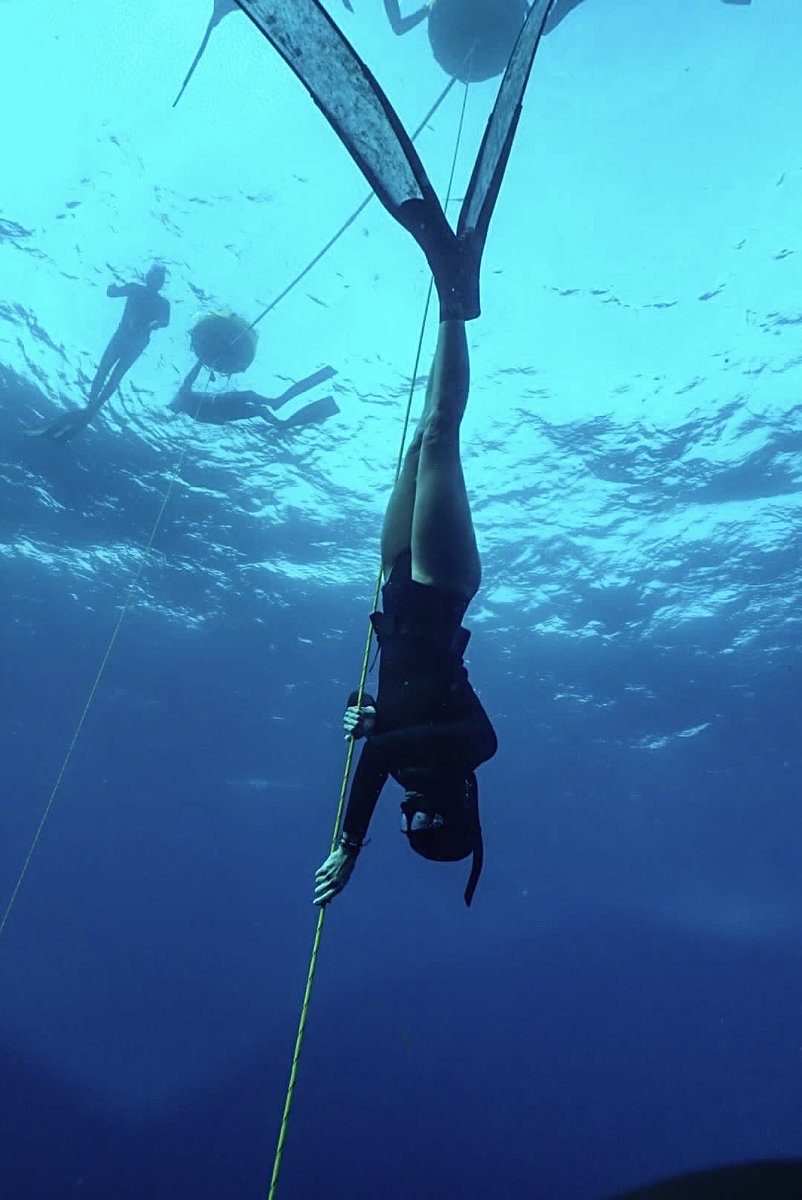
x=282, y=1135
x=299, y=1037
x=93, y=690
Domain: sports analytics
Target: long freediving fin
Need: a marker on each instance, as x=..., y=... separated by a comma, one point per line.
x=312, y=414
x=358, y=110
x=494, y=152
x=348, y=95
x=303, y=385
x=221, y=9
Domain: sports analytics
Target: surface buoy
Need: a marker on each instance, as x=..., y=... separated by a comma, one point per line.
x=473, y=39
x=224, y=342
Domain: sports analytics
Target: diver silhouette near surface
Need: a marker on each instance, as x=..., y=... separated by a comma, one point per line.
x=427, y=728
x=145, y=311
x=220, y=408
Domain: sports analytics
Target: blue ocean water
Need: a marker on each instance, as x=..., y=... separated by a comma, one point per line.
x=624, y=999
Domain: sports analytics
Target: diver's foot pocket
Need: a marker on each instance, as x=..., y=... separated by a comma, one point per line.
x=459, y=292
x=454, y=261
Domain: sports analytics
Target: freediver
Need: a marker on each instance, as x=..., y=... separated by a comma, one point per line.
x=427, y=727
x=219, y=408
x=145, y=311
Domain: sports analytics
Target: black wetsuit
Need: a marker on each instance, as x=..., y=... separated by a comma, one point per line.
x=427, y=714
x=144, y=309
x=221, y=407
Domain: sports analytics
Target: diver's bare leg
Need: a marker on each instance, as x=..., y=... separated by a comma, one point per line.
x=444, y=552
x=397, y=527
x=110, y=356
x=124, y=363
x=303, y=385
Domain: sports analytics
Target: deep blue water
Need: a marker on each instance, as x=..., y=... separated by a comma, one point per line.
x=624, y=999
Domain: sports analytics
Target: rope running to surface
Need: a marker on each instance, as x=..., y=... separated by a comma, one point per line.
x=282, y=1135
x=347, y=224
x=92, y=692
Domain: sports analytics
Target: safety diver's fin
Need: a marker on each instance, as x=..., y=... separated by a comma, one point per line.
x=303, y=385
x=221, y=9
x=312, y=414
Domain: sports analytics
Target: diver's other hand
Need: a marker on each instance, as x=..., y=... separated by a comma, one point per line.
x=359, y=722
x=332, y=877
x=66, y=426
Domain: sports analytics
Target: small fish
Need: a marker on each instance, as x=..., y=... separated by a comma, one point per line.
x=257, y=784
